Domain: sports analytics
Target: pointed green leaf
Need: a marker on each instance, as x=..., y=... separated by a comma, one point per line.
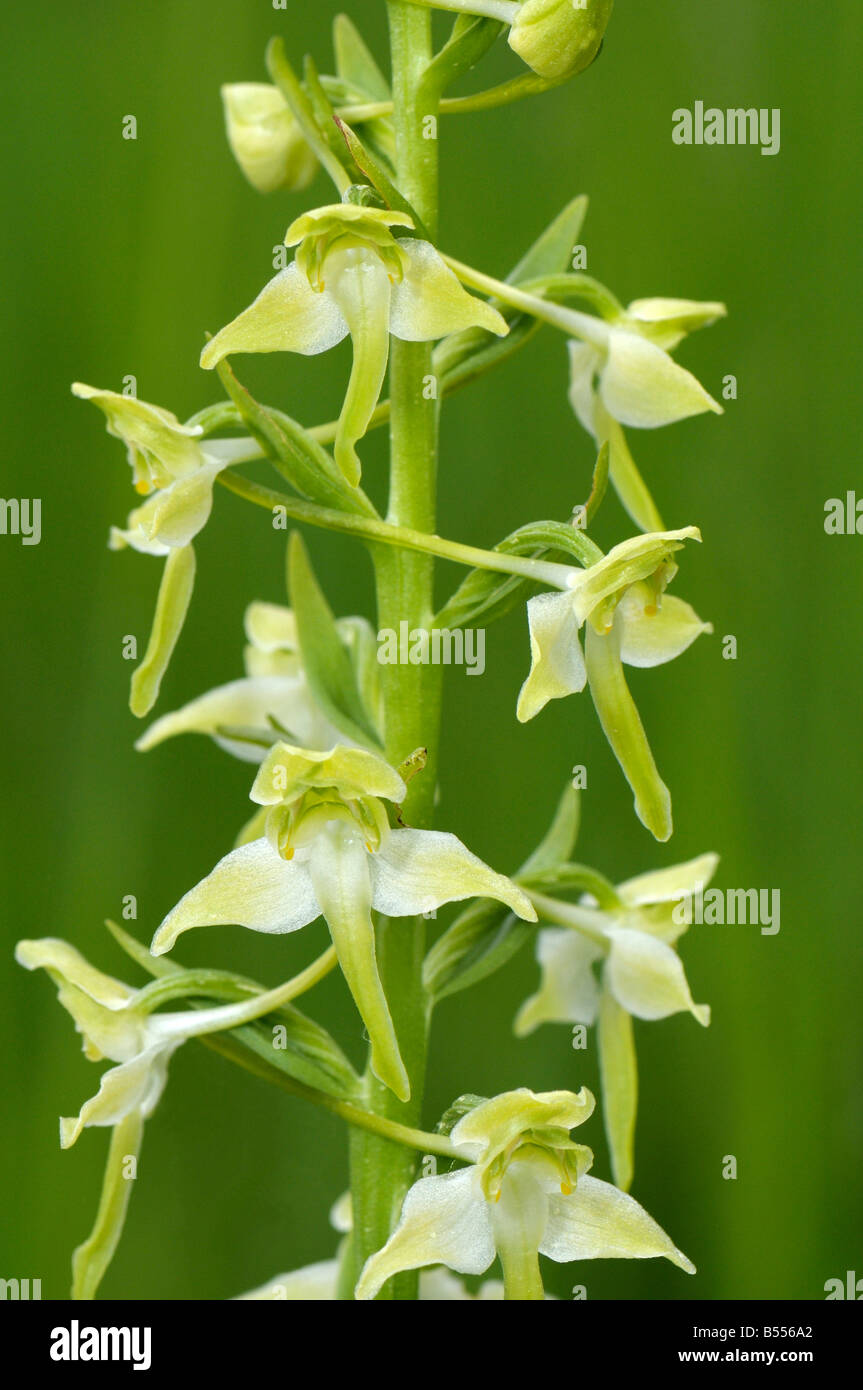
x=326, y=661
x=559, y=840
x=295, y=453
x=355, y=63
x=480, y=940
x=551, y=253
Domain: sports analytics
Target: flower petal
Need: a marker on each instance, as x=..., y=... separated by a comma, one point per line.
x=641, y=385
x=619, y=1072
x=667, y=321
x=315, y=1283
x=172, y=604
x=353, y=772
x=624, y=730
x=597, y=1222
x=358, y=283
x=627, y=563
x=646, y=977
x=135, y=1085
x=444, y=1220
x=557, y=665
x=651, y=635
x=251, y=887
x=339, y=870
x=418, y=871
x=669, y=885
x=244, y=704
x=584, y=362
x=93, y=1256
x=430, y=301
x=568, y=992
x=159, y=448
x=287, y=316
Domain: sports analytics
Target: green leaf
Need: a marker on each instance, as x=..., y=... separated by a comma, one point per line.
x=326, y=117
x=470, y=40
x=355, y=63
x=460, y=1107
x=464, y=355
x=304, y=1050
x=373, y=170
x=559, y=840
x=326, y=661
x=298, y=457
x=481, y=939
x=484, y=596
x=558, y=879
x=551, y=253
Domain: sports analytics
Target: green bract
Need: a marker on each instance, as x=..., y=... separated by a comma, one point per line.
x=329, y=850
x=621, y=599
x=351, y=275
x=641, y=977
x=265, y=139
x=524, y=1193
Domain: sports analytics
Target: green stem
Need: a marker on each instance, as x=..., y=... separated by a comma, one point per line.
x=571, y=321
x=386, y=533
x=382, y=1172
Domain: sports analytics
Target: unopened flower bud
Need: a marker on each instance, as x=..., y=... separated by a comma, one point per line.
x=265, y=139
x=559, y=38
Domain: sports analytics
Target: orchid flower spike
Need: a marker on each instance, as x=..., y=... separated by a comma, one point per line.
x=116, y=1022
x=328, y=849
x=175, y=469
x=352, y=275
x=274, y=699
x=632, y=933
x=621, y=602
x=523, y=1193
x=631, y=380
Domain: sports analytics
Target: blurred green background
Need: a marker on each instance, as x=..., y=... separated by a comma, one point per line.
x=117, y=256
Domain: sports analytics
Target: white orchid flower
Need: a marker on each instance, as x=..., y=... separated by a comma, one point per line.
x=329, y=850
x=630, y=380
x=352, y=276
x=115, y=1022
x=524, y=1193
x=633, y=934
x=175, y=469
x=246, y=717
x=628, y=618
